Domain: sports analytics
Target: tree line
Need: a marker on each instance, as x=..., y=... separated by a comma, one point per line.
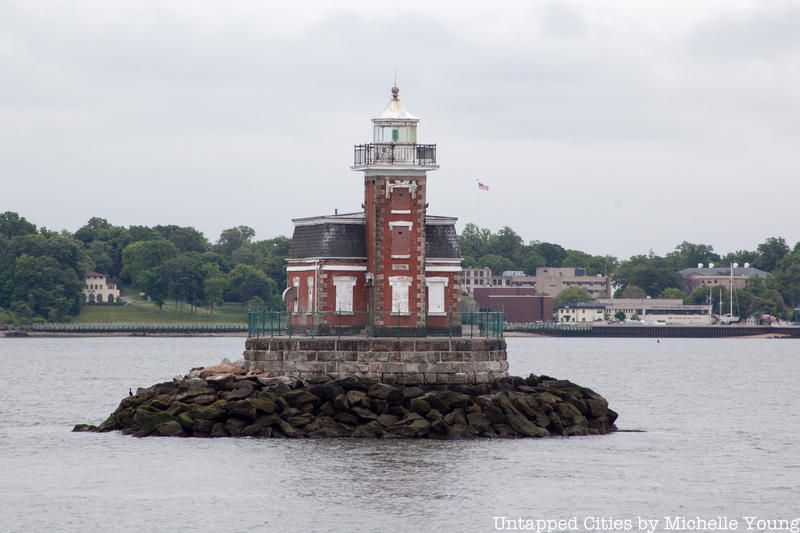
x=42, y=273
x=649, y=274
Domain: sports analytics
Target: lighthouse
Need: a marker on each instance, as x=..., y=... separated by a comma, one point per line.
x=391, y=267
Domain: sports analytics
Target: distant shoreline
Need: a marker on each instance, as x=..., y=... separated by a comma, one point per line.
x=243, y=334
x=43, y=334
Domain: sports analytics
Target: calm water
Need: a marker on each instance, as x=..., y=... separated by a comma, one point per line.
x=722, y=422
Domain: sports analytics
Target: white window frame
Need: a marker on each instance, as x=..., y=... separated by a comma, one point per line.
x=437, y=295
x=345, y=287
x=296, y=285
x=401, y=289
x=310, y=300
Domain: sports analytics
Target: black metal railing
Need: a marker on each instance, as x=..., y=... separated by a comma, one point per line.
x=263, y=323
x=390, y=154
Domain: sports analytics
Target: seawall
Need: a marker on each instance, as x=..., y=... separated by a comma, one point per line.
x=407, y=361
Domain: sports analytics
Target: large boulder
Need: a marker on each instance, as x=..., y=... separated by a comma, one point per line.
x=221, y=369
x=227, y=402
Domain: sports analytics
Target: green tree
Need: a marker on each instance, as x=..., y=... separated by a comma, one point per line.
x=232, y=238
x=786, y=277
x=739, y=256
x=764, y=298
x=475, y=242
x=770, y=252
x=99, y=253
x=553, y=254
x=497, y=263
x=507, y=244
x=650, y=272
x=94, y=230
x=572, y=295
x=185, y=278
x=632, y=291
x=246, y=282
x=155, y=285
x=185, y=239
x=13, y=225
x=687, y=255
x=672, y=293
x=529, y=261
x=214, y=290
x=46, y=287
x=142, y=256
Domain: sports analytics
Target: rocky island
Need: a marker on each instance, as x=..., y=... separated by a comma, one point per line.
x=225, y=400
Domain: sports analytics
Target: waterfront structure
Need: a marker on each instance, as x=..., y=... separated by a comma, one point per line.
x=551, y=281
x=581, y=312
x=392, y=265
x=718, y=276
x=548, y=281
x=519, y=305
x=656, y=310
x=473, y=277
x=99, y=289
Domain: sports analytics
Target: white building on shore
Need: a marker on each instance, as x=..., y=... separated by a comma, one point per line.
x=99, y=289
x=648, y=310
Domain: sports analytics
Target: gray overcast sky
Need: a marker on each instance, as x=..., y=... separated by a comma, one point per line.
x=611, y=127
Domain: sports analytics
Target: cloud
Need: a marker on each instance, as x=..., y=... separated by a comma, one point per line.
x=183, y=112
x=563, y=21
x=765, y=29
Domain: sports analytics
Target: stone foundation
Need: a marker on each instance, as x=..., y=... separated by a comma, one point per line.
x=408, y=361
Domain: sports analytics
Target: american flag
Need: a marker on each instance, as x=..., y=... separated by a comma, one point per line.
x=483, y=187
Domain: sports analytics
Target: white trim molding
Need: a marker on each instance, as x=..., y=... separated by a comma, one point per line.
x=341, y=268
x=315, y=259
x=434, y=268
x=404, y=223
x=335, y=268
x=401, y=184
x=434, y=220
x=431, y=260
x=350, y=218
x=401, y=211
x=304, y=268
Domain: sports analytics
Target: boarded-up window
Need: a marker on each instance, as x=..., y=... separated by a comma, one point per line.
x=401, y=199
x=401, y=241
x=401, y=286
x=344, y=293
x=436, y=303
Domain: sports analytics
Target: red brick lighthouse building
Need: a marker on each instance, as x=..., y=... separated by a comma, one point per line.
x=391, y=266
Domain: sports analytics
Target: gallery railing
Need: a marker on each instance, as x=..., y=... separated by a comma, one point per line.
x=264, y=323
x=390, y=154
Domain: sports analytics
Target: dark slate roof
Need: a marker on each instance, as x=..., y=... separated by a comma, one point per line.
x=723, y=271
x=328, y=240
x=344, y=236
x=441, y=242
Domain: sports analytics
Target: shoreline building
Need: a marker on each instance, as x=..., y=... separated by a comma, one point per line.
x=392, y=266
x=548, y=281
x=520, y=305
x=98, y=288
x=657, y=310
x=718, y=276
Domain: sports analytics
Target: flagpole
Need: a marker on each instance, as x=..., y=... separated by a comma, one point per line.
x=477, y=201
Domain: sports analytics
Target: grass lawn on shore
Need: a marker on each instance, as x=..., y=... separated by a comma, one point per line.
x=138, y=310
